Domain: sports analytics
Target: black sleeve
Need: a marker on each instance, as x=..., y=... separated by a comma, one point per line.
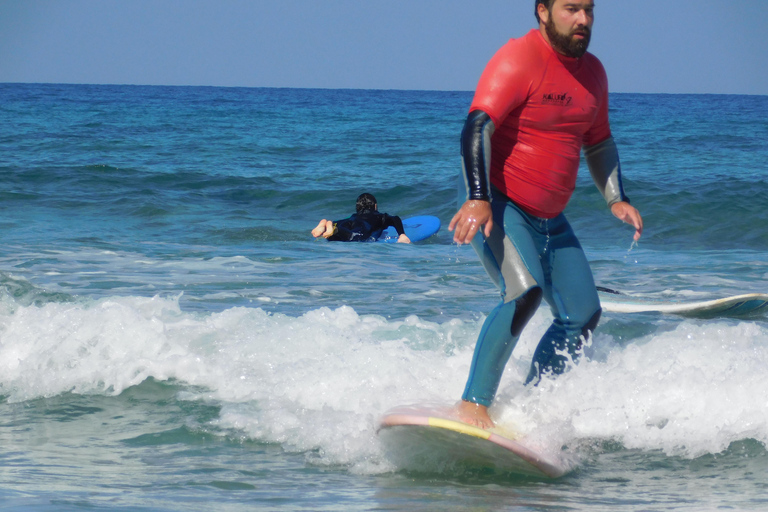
x=394, y=220
x=476, y=154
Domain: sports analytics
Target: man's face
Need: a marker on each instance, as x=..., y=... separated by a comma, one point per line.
x=568, y=25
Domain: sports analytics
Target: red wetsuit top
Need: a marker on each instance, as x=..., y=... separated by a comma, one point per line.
x=544, y=107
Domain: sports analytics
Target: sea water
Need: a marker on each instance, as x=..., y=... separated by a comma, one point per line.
x=172, y=337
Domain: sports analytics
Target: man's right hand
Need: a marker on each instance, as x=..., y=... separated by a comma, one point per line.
x=467, y=221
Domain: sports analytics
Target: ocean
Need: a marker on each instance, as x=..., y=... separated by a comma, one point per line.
x=173, y=339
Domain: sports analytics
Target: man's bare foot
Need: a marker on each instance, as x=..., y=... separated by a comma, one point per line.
x=475, y=414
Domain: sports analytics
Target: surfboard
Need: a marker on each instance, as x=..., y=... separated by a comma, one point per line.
x=416, y=228
x=431, y=436
x=748, y=304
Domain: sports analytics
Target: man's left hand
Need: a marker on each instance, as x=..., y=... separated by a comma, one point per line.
x=625, y=212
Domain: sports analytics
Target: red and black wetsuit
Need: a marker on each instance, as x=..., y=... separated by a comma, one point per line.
x=533, y=111
x=545, y=107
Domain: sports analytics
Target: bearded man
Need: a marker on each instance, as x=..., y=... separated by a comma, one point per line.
x=540, y=99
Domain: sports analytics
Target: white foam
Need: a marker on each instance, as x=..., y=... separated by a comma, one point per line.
x=689, y=391
x=318, y=383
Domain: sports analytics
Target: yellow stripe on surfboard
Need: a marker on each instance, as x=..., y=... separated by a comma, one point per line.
x=459, y=427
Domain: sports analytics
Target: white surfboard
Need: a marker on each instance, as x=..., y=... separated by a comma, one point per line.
x=434, y=435
x=733, y=306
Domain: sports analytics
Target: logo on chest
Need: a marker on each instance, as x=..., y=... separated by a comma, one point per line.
x=557, y=99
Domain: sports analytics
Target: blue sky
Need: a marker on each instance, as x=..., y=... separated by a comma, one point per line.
x=702, y=46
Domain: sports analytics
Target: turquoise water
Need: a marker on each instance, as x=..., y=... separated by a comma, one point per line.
x=172, y=338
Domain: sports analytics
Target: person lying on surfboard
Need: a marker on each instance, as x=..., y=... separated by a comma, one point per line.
x=539, y=100
x=365, y=225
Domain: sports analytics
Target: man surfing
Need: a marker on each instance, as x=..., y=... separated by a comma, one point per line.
x=540, y=100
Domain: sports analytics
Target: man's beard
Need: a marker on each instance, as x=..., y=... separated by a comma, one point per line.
x=567, y=44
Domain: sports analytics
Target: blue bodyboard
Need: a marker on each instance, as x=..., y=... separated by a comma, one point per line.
x=416, y=228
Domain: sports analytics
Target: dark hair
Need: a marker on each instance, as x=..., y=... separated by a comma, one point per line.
x=547, y=4
x=365, y=203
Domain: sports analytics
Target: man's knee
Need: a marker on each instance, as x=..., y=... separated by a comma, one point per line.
x=525, y=306
x=589, y=328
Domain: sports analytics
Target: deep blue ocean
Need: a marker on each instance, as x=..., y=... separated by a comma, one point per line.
x=173, y=339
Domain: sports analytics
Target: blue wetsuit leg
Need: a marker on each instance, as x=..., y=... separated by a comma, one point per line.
x=506, y=259
x=492, y=351
x=572, y=296
x=523, y=256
